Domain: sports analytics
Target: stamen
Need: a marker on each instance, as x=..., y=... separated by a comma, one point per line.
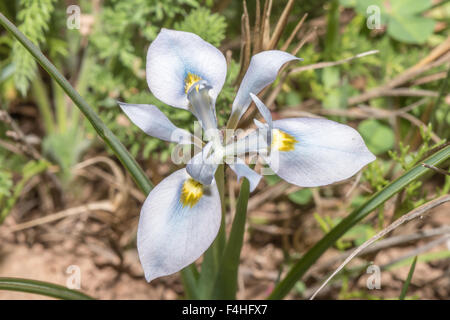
x=282, y=141
x=190, y=80
x=191, y=192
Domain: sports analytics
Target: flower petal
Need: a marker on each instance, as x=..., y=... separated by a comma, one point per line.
x=241, y=169
x=265, y=112
x=202, y=166
x=172, y=236
x=172, y=56
x=155, y=123
x=324, y=152
x=255, y=141
x=262, y=71
x=202, y=106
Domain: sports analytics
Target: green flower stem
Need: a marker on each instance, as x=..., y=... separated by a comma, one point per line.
x=212, y=256
x=220, y=181
x=299, y=269
x=43, y=288
x=226, y=281
x=189, y=278
x=121, y=152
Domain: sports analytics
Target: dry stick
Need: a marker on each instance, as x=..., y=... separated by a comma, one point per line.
x=294, y=33
x=4, y=116
x=397, y=81
x=438, y=170
x=257, y=32
x=281, y=24
x=434, y=54
x=100, y=205
x=429, y=78
x=385, y=243
x=321, y=65
x=418, y=251
x=413, y=253
x=354, y=185
x=271, y=99
x=284, y=75
x=407, y=217
x=419, y=124
x=245, y=45
x=117, y=173
x=265, y=34
x=362, y=112
x=309, y=36
x=11, y=148
x=407, y=92
x=248, y=38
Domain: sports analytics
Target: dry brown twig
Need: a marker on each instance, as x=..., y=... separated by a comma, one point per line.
x=398, y=81
x=94, y=206
x=383, y=244
x=405, y=218
x=438, y=170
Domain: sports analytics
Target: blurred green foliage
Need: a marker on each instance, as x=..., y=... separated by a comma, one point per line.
x=34, y=18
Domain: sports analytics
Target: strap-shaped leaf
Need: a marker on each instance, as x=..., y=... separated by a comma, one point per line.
x=43, y=288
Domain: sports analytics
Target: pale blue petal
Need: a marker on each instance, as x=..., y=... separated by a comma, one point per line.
x=202, y=105
x=262, y=71
x=259, y=124
x=265, y=112
x=241, y=169
x=170, y=236
x=255, y=141
x=155, y=123
x=326, y=152
x=202, y=166
x=174, y=54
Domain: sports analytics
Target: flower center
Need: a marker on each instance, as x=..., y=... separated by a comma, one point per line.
x=282, y=141
x=191, y=192
x=190, y=80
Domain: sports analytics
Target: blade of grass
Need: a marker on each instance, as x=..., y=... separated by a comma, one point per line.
x=120, y=151
x=408, y=279
x=43, y=288
x=299, y=269
x=226, y=282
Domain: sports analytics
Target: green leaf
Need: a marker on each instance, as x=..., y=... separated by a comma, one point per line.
x=410, y=29
x=272, y=179
x=409, y=7
x=408, y=279
x=301, y=197
x=42, y=288
x=403, y=18
x=378, y=137
x=299, y=268
x=226, y=283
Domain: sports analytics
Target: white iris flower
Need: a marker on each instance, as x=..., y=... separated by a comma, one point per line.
x=181, y=216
